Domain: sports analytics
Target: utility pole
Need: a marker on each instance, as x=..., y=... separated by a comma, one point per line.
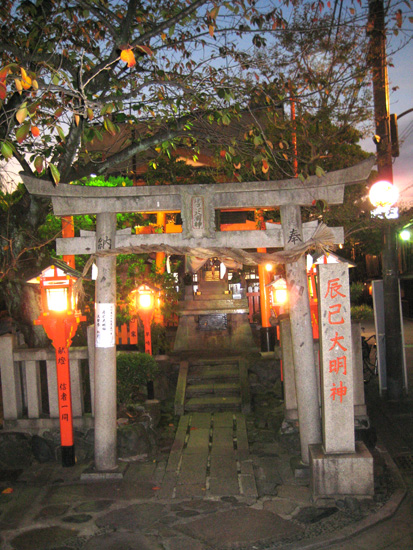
x=392, y=317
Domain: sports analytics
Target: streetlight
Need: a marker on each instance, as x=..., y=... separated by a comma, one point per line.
x=60, y=320
x=383, y=195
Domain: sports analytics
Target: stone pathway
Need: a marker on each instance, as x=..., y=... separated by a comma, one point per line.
x=209, y=458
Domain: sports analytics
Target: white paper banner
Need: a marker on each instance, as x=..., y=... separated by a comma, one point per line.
x=105, y=325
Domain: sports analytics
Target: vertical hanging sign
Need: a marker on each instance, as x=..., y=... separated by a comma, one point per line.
x=336, y=358
x=105, y=325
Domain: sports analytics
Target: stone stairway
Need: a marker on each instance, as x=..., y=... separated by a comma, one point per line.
x=212, y=386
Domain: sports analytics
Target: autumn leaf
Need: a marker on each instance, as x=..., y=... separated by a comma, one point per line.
x=265, y=166
x=145, y=49
x=90, y=113
x=35, y=131
x=237, y=166
x=22, y=131
x=6, y=150
x=18, y=85
x=211, y=30
x=109, y=126
x=214, y=12
x=38, y=164
x=61, y=133
x=55, y=173
x=3, y=90
x=399, y=18
x=77, y=120
x=319, y=172
x=22, y=113
x=4, y=72
x=128, y=57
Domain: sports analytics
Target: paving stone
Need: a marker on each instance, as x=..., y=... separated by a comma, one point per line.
x=21, y=503
x=122, y=540
x=203, y=506
x=193, y=490
x=280, y=507
x=136, y=516
x=223, y=420
x=77, y=518
x=299, y=494
x=185, y=543
x=248, y=485
x=247, y=467
x=231, y=528
x=94, y=506
x=42, y=539
x=82, y=492
x=222, y=486
x=198, y=441
x=167, y=486
x=188, y=513
x=223, y=467
x=310, y=514
x=193, y=469
x=53, y=511
x=201, y=420
x=174, y=461
x=136, y=490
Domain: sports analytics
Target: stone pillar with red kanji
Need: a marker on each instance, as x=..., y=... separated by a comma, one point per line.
x=336, y=359
x=340, y=466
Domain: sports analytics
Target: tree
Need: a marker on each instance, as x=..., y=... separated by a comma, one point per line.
x=74, y=74
x=73, y=70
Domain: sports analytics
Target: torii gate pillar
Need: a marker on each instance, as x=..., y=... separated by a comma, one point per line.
x=105, y=346
x=302, y=335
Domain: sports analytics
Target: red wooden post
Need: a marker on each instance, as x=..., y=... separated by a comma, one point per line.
x=65, y=400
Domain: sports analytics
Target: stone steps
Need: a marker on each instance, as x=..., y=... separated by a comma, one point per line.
x=213, y=403
x=212, y=386
x=223, y=389
x=211, y=375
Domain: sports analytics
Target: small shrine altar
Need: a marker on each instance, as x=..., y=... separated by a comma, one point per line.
x=210, y=317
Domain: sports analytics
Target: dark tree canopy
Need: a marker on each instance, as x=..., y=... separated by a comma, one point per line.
x=73, y=71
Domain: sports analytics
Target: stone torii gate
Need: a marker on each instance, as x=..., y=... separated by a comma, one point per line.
x=197, y=204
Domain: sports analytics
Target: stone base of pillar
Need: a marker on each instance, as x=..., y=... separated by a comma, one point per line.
x=300, y=470
x=90, y=474
x=267, y=338
x=343, y=474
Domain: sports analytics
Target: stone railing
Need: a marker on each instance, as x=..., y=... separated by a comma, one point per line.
x=29, y=386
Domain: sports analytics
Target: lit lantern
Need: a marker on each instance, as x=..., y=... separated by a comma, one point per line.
x=60, y=321
x=145, y=299
x=279, y=292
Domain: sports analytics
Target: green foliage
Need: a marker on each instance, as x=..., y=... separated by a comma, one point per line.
x=362, y=313
x=160, y=343
x=110, y=181
x=133, y=370
x=356, y=292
